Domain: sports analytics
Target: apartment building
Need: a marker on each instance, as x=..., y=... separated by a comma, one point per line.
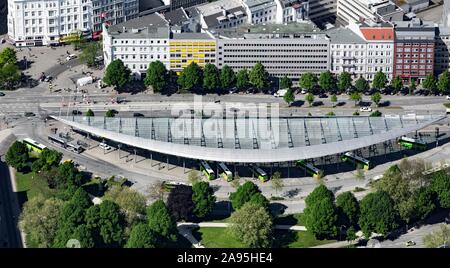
x=414, y=50
x=289, y=50
x=368, y=11
x=380, y=47
x=137, y=43
x=322, y=10
x=348, y=52
x=42, y=22
x=442, y=50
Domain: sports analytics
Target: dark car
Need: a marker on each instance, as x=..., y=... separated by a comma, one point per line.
x=76, y=112
x=2, y=94
x=29, y=114
x=323, y=96
x=138, y=115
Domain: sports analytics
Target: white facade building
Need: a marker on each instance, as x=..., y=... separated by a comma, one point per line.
x=42, y=22
x=137, y=43
x=348, y=52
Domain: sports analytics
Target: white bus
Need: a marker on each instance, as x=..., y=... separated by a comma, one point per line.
x=225, y=172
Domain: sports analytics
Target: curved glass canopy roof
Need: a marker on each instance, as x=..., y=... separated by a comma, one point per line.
x=251, y=140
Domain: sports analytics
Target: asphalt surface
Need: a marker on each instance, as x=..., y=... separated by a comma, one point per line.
x=9, y=231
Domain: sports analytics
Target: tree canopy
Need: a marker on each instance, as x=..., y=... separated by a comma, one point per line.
x=252, y=225
x=17, y=155
x=243, y=194
x=227, y=77
x=344, y=81
x=180, y=202
x=285, y=82
x=326, y=81
x=131, y=202
x=141, y=236
x=289, y=97
x=258, y=76
x=348, y=208
x=161, y=221
x=242, y=80
x=116, y=74
x=191, y=76
x=320, y=212
x=362, y=85
x=441, y=185
x=308, y=81
x=157, y=76
x=379, y=80
x=203, y=198
x=211, y=77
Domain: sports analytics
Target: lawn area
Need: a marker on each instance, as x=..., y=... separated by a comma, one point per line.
x=219, y=238
x=447, y=105
x=32, y=185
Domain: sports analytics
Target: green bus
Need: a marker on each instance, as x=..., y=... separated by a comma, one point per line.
x=259, y=173
x=224, y=172
x=32, y=145
x=348, y=156
x=310, y=169
x=207, y=170
x=410, y=143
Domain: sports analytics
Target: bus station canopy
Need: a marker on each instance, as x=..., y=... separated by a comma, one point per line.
x=251, y=140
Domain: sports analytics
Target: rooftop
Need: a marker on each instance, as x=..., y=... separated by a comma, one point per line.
x=270, y=28
x=251, y=140
x=343, y=35
x=149, y=26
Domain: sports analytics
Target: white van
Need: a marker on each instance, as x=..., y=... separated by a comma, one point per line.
x=71, y=56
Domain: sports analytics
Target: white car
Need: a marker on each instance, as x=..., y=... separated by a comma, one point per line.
x=448, y=97
x=365, y=109
x=104, y=146
x=71, y=56
x=303, y=91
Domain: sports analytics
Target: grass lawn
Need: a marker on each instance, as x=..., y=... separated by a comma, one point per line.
x=447, y=105
x=219, y=238
x=32, y=185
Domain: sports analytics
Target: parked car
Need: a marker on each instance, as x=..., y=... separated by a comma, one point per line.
x=303, y=91
x=323, y=95
x=410, y=243
x=365, y=109
x=138, y=115
x=71, y=56
x=76, y=112
x=48, y=79
x=104, y=146
x=448, y=97
x=28, y=114
x=2, y=94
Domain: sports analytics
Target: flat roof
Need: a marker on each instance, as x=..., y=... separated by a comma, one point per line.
x=251, y=140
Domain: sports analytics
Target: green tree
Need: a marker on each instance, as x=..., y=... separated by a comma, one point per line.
x=211, y=77
x=429, y=83
x=348, y=208
x=47, y=160
x=320, y=212
x=81, y=199
x=116, y=74
x=351, y=234
x=425, y=201
x=252, y=225
x=289, y=97
x=258, y=76
x=261, y=200
x=39, y=220
x=227, y=77
x=362, y=85
x=333, y=99
x=110, y=223
x=8, y=56
x=242, y=80
x=412, y=86
x=84, y=236
x=89, y=113
x=344, y=81
x=441, y=185
x=17, y=155
x=438, y=238
x=308, y=81
x=356, y=97
x=190, y=77
x=377, y=214
x=157, y=76
x=90, y=52
x=379, y=80
x=376, y=97
x=161, y=221
x=243, y=194
x=141, y=236
x=276, y=183
x=326, y=81
x=203, y=198
x=110, y=113
x=9, y=76
x=131, y=202
x=443, y=83
x=285, y=82
x=309, y=98
x=397, y=83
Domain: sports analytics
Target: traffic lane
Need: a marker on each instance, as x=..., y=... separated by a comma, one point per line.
x=10, y=233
